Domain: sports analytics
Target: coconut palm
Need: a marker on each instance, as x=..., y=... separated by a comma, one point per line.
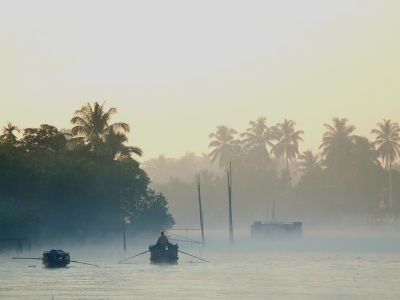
x=288, y=142
x=337, y=145
x=364, y=156
x=92, y=125
x=8, y=135
x=308, y=163
x=257, y=138
x=387, y=143
x=114, y=143
x=225, y=145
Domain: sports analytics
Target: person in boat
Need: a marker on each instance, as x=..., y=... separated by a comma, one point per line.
x=163, y=240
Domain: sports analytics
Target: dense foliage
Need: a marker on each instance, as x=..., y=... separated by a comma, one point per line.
x=352, y=179
x=54, y=184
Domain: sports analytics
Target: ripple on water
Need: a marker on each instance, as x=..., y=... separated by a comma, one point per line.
x=234, y=276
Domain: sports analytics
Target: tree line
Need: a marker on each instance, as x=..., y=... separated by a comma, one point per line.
x=342, y=151
x=79, y=182
x=351, y=177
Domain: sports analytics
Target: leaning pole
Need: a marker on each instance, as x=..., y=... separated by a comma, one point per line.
x=229, y=177
x=200, y=210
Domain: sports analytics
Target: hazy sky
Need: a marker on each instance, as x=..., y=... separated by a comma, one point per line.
x=177, y=69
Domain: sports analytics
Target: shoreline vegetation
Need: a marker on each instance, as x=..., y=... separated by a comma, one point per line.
x=79, y=183
x=351, y=180
x=84, y=182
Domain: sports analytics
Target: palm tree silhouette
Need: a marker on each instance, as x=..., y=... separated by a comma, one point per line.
x=308, y=163
x=387, y=143
x=115, y=144
x=288, y=142
x=257, y=138
x=364, y=156
x=225, y=145
x=92, y=124
x=8, y=135
x=337, y=145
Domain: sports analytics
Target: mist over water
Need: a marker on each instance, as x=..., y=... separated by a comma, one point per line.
x=318, y=266
x=287, y=113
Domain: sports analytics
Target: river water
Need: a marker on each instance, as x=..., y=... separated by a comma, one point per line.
x=309, y=269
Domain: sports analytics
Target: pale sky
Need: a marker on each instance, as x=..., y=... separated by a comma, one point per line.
x=177, y=69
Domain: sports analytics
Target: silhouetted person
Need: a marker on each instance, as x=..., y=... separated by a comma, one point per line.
x=162, y=240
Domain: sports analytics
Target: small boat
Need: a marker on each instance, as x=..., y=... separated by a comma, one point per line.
x=160, y=254
x=163, y=252
x=55, y=259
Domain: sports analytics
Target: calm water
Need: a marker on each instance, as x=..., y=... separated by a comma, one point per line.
x=281, y=272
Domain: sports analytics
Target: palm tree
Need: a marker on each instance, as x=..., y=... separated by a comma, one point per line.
x=8, y=135
x=387, y=143
x=308, y=163
x=337, y=145
x=257, y=138
x=225, y=145
x=288, y=142
x=115, y=144
x=92, y=124
x=364, y=156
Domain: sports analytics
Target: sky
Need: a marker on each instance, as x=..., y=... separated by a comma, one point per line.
x=177, y=69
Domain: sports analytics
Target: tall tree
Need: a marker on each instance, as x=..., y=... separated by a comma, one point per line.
x=115, y=144
x=387, y=143
x=365, y=157
x=257, y=138
x=288, y=142
x=310, y=169
x=337, y=146
x=308, y=163
x=44, y=138
x=225, y=145
x=92, y=123
x=8, y=135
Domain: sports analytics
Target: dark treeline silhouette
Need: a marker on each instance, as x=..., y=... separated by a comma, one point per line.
x=352, y=179
x=75, y=183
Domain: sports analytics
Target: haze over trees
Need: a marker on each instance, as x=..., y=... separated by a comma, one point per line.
x=351, y=179
x=85, y=180
x=387, y=143
x=76, y=183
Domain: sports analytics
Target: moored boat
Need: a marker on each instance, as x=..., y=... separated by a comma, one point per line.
x=276, y=229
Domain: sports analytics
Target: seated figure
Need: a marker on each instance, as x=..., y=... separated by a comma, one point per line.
x=162, y=240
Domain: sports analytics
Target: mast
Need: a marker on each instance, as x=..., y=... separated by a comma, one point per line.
x=200, y=210
x=124, y=233
x=229, y=176
x=273, y=210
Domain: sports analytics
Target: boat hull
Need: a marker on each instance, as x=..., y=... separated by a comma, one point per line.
x=164, y=254
x=55, y=259
x=277, y=229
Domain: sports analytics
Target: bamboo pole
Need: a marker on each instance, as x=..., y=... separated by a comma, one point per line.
x=229, y=173
x=124, y=233
x=200, y=210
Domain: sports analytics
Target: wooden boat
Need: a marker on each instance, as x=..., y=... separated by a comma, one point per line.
x=160, y=254
x=55, y=259
x=276, y=229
